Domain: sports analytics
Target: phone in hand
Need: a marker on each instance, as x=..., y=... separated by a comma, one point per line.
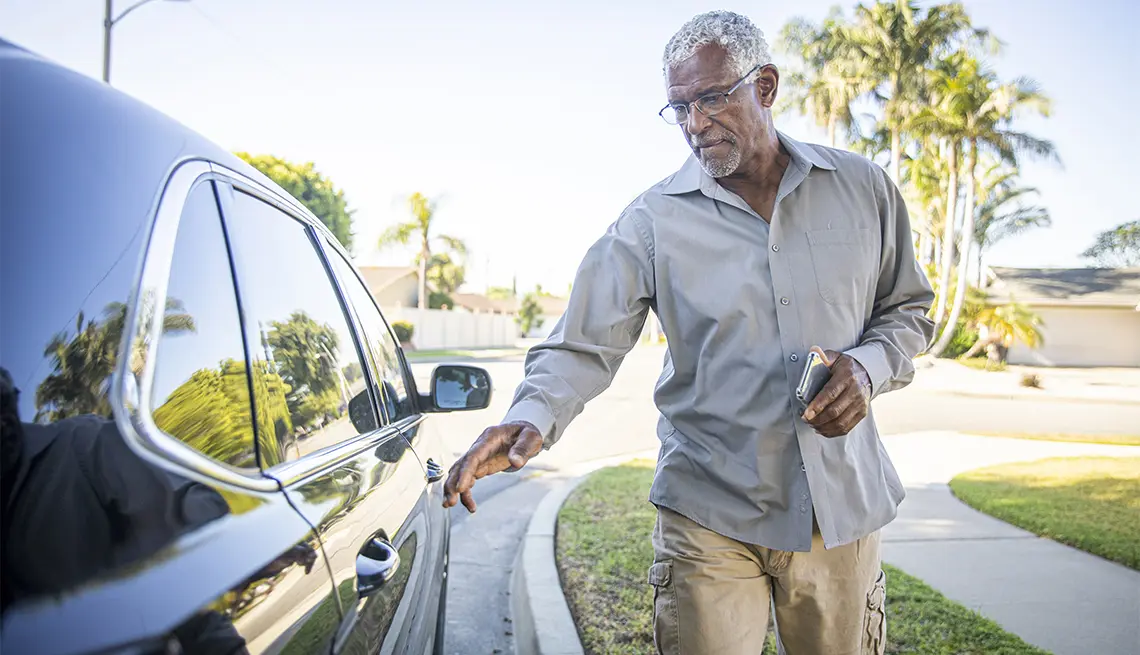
x=813, y=379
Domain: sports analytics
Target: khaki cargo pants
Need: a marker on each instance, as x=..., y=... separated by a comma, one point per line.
x=713, y=595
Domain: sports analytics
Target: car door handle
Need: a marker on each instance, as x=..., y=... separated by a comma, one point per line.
x=434, y=471
x=376, y=565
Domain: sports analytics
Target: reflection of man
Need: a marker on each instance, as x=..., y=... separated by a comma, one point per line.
x=78, y=503
x=758, y=248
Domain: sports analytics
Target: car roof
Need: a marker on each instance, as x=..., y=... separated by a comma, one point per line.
x=82, y=166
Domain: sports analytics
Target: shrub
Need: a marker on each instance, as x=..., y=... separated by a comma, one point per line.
x=404, y=331
x=964, y=337
x=1031, y=380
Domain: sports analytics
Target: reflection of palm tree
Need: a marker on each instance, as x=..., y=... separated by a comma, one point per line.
x=83, y=363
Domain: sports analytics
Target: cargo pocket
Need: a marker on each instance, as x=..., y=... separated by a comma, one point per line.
x=666, y=627
x=875, y=619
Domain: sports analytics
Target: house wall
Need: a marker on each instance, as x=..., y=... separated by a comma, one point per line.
x=443, y=329
x=1084, y=336
x=402, y=292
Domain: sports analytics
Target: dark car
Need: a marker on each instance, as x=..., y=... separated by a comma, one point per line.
x=211, y=442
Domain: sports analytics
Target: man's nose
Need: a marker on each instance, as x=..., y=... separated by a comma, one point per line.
x=697, y=122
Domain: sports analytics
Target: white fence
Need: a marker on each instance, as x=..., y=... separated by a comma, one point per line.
x=439, y=329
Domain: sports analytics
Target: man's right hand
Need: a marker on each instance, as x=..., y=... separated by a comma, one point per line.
x=506, y=447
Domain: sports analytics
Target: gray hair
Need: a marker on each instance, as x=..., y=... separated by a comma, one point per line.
x=742, y=40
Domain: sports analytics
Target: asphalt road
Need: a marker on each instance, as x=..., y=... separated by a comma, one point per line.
x=623, y=418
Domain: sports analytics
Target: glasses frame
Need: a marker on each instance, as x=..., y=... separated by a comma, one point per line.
x=696, y=103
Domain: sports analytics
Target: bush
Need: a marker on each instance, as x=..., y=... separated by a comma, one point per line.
x=440, y=300
x=1031, y=380
x=404, y=331
x=964, y=337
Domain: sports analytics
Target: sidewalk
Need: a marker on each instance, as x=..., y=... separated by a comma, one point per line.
x=1096, y=385
x=1053, y=596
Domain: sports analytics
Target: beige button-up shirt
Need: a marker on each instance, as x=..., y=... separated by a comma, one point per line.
x=741, y=302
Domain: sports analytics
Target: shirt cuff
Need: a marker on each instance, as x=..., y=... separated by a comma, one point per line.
x=538, y=415
x=870, y=356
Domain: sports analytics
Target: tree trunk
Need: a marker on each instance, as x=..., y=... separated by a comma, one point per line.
x=925, y=245
x=831, y=125
x=967, y=241
x=896, y=155
x=425, y=255
x=946, y=265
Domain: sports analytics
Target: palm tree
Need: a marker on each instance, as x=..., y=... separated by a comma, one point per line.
x=1001, y=213
x=423, y=211
x=973, y=109
x=83, y=363
x=898, y=41
x=1005, y=325
x=832, y=78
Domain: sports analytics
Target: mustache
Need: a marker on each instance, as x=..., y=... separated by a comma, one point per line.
x=709, y=139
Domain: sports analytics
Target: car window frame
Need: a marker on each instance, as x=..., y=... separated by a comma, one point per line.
x=292, y=471
x=405, y=371
x=132, y=395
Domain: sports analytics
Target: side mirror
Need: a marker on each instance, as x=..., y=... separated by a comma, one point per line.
x=460, y=388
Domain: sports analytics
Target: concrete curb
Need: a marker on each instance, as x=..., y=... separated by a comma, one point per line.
x=542, y=621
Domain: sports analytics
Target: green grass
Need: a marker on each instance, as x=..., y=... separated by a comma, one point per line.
x=604, y=552
x=982, y=364
x=1090, y=503
x=1111, y=439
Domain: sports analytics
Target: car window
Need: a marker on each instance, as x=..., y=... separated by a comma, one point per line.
x=397, y=401
x=310, y=391
x=200, y=393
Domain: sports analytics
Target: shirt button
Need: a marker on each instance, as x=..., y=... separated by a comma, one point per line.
x=785, y=301
x=775, y=248
x=803, y=467
x=794, y=357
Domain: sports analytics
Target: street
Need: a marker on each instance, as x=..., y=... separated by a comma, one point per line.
x=621, y=421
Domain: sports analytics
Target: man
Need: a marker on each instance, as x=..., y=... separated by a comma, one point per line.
x=757, y=250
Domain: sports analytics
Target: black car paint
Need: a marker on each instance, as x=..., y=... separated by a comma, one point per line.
x=83, y=169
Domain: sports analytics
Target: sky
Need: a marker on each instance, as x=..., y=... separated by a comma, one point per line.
x=535, y=124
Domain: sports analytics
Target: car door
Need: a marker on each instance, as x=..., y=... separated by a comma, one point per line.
x=139, y=519
x=402, y=408
x=347, y=470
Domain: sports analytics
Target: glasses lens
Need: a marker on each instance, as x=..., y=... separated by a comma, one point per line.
x=712, y=104
x=675, y=115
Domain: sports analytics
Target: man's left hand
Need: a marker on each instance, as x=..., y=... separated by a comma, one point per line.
x=844, y=400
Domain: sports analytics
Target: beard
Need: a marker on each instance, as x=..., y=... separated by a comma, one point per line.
x=718, y=166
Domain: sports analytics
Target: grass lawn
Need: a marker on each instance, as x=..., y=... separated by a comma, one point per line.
x=982, y=364
x=1111, y=439
x=1091, y=503
x=604, y=552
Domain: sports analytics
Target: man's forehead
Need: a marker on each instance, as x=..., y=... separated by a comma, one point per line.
x=708, y=68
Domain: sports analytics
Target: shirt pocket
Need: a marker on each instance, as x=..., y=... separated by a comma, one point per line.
x=842, y=260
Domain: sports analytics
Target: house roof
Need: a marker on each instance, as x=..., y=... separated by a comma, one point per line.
x=479, y=303
x=380, y=277
x=1099, y=287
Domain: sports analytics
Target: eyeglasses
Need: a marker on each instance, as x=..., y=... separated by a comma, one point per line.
x=709, y=105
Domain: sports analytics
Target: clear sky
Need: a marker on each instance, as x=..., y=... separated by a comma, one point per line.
x=536, y=125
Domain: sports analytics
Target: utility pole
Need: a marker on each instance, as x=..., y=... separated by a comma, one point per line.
x=109, y=23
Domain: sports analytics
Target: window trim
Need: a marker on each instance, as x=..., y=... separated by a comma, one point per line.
x=409, y=381
x=293, y=471
x=131, y=395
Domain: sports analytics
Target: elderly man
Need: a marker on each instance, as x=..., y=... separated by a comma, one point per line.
x=756, y=251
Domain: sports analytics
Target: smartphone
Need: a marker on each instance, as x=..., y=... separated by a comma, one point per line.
x=812, y=380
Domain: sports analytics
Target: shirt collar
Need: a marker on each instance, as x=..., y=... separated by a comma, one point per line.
x=692, y=177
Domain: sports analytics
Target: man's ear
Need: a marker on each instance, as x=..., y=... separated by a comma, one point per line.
x=767, y=85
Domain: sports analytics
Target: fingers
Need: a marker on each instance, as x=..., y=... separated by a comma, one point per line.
x=827, y=395
x=845, y=423
x=500, y=448
x=527, y=445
